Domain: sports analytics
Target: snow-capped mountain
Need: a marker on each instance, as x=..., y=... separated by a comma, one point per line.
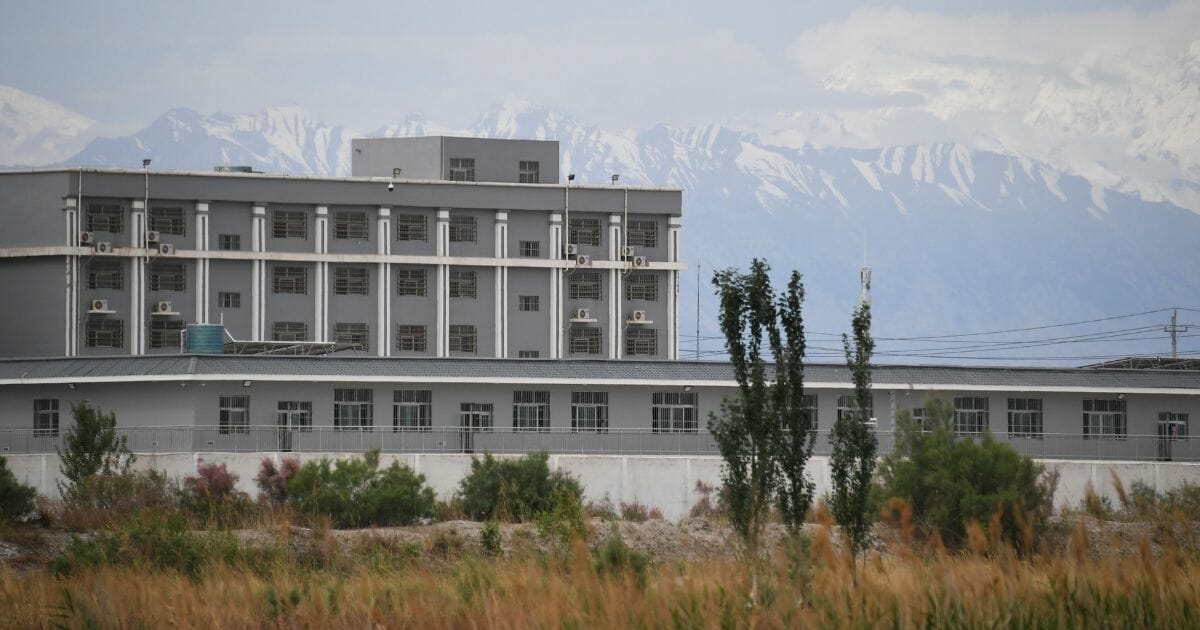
x=959, y=239
x=34, y=130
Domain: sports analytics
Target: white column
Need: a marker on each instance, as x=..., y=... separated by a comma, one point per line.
x=321, y=277
x=258, y=299
x=556, y=296
x=501, y=251
x=673, y=290
x=203, y=282
x=615, y=321
x=137, y=279
x=383, y=298
x=71, y=299
x=443, y=284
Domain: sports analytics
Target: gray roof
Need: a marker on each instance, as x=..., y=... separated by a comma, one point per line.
x=214, y=367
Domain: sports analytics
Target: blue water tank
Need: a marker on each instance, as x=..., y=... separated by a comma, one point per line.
x=205, y=339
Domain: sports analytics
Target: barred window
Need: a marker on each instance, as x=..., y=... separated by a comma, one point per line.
x=227, y=299
x=351, y=281
x=642, y=286
x=1104, y=418
x=287, y=279
x=168, y=221
x=585, y=285
x=462, y=284
x=353, y=333
x=589, y=411
x=530, y=172
x=1025, y=417
x=289, y=331
x=289, y=224
x=673, y=412
x=105, y=217
x=643, y=234
x=353, y=409
x=809, y=403
x=528, y=354
x=105, y=274
x=168, y=277
x=165, y=333
x=463, y=338
x=233, y=414
x=412, y=409
x=295, y=414
x=351, y=226
x=640, y=341
x=586, y=339
x=103, y=332
x=463, y=229
x=462, y=169
x=531, y=410
x=970, y=415
x=531, y=249
x=410, y=338
x=528, y=303
x=412, y=227
x=229, y=241
x=584, y=231
x=410, y=282
x=847, y=407
x=45, y=417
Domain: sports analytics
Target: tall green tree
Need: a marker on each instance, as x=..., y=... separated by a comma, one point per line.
x=91, y=447
x=765, y=434
x=852, y=462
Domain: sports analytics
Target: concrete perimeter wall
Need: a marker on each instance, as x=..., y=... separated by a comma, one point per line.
x=665, y=482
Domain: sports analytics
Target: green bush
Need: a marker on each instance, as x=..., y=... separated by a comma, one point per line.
x=104, y=499
x=91, y=447
x=149, y=541
x=212, y=496
x=489, y=538
x=16, y=498
x=615, y=557
x=515, y=489
x=950, y=481
x=357, y=492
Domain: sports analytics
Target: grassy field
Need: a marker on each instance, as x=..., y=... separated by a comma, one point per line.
x=207, y=580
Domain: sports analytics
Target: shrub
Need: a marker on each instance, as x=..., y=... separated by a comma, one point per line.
x=602, y=509
x=145, y=540
x=489, y=538
x=91, y=447
x=213, y=495
x=638, y=512
x=514, y=489
x=707, y=507
x=614, y=557
x=357, y=492
x=273, y=480
x=563, y=518
x=951, y=481
x=16, y=498
x=104, y=499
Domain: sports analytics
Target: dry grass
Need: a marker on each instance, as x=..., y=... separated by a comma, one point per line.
x=571, y=587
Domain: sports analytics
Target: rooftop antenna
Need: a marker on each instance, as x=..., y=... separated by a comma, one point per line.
x=1174, y=329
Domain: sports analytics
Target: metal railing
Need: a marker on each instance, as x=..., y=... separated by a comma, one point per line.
x=327, y=439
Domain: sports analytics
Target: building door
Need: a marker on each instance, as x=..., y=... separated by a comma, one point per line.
x=473, y=418
x=292, y=416
x=1172, y=427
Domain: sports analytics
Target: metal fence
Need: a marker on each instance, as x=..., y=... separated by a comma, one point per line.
x=326, y=439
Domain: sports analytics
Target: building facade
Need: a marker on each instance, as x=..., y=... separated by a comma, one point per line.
x=487, y=256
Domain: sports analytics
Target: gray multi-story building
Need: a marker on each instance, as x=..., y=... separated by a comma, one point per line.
x=453, y=280
x=436, y=247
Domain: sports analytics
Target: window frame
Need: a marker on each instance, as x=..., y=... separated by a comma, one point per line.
x=463, y=284
x=1024, y=420
x=670, y=413
x=586, y=285
x=106, y=274
x=642, y=233
x=461, y=169
x=301, y=407
x=529, y=172
x=585, y=340
x=104, y=332
x=408, y=333
x=229, y=242
x=529, y=303
x=464, y=338
x=641, y=286
x=848, y=404
x=233, y=414
x=168, y=220
x=351, y=225
x=45, y=417
x=229, y=299
x=353, y=333
x=641, y=341
x=289, y=224
x=408, y=224
x=105, y=217
x=1115, y=412
x=286, y=279
x=584, y=231
x=167, y=276
x=289, y=331
x=463, y=229
x=164, y=332
x=531, y=410
x=417, y=405
x=530, y=249
x=353, y=409
x=351, y=281
x=589, y=411
x=972, y=415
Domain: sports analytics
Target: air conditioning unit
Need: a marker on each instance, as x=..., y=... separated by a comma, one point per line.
x=627, y=251
x=581, y=313
x=86, y=238
x=152, y=236
x=166, y=249
x=640, y=261
x=572, y=249
x=104, y=247
x=637, y=317
x=99, y=306
x=583, y=260
x=162, y=308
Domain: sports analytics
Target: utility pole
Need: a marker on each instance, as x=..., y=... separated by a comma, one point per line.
x=1174, y=328
x=698, y=278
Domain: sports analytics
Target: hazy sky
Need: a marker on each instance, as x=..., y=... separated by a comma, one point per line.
x=617, y=63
